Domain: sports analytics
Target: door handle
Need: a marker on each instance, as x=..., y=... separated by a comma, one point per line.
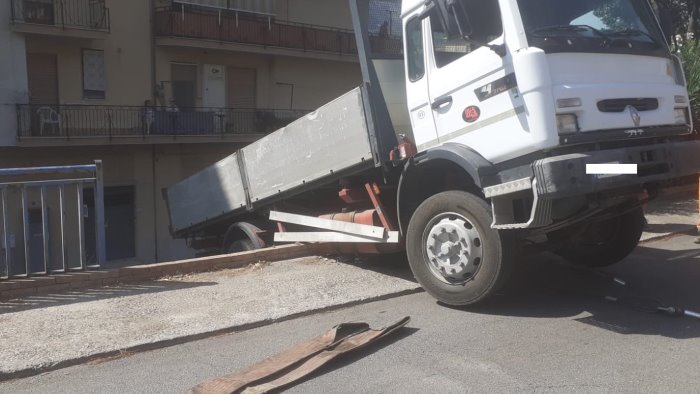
x=441, y=102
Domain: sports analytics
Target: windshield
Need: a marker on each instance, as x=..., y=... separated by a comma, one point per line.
x=615, y=26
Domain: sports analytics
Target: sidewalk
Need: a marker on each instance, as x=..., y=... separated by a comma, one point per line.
x=672, y=214
x=46, y=332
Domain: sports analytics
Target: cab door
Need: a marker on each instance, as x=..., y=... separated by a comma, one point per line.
x=473, y=89
x=417, y=94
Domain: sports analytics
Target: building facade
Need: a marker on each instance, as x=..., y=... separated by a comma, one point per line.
x=160, y=89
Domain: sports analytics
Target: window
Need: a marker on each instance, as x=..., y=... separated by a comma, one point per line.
x=94, y=74
x=485, y=19
x=598, y=26
x=414, y=48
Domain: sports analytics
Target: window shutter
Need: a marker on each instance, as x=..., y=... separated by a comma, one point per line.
x=94, y=78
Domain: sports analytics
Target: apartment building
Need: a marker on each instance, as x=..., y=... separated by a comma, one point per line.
x=161, y=89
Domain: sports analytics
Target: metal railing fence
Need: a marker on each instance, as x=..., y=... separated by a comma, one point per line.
x=236, y=27
x=80, y=14
x=75, y=121
x=35, y=238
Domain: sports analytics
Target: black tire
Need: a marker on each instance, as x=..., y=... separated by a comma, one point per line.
x=241, y=245
x=605, y=242
x=494, y=248
x=242, y=237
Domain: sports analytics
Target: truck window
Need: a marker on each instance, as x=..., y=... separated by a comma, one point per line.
x=590, y=26
x=414, y=50
x=485, y=17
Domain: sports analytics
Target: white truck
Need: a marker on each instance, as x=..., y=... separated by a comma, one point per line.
x=478, y=140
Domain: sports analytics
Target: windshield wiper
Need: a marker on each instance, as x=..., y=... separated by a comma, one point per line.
x=542, y=31
x=635, y=32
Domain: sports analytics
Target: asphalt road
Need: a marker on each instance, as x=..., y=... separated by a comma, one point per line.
x=551, y=331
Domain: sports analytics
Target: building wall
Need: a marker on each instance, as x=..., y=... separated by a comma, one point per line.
x=315, y=82
x=167, y=56
x=127, y=54
x=13, y=77
x=129, y=81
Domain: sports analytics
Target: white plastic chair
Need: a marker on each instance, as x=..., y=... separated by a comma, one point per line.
x=49, y=116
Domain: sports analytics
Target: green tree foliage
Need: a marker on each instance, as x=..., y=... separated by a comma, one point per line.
x=689, y=53
x=610, y=13
x=685, y=15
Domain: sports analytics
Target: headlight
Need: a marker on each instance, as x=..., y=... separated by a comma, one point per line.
x=682, y=116
x=567, y=123
x=675, y=70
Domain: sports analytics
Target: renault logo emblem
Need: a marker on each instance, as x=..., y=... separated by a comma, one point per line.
x=636, y=118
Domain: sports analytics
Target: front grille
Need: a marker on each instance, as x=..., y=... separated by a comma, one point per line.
x=619, y=105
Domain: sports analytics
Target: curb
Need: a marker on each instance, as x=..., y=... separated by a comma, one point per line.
x=55, y=284
x=115, y=354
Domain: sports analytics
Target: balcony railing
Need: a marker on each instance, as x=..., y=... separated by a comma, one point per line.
x=80, y=121
x=231, y=27
x=76, y=14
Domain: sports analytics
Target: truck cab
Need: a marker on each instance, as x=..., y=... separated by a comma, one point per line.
x=510, y=78
x=510, y=102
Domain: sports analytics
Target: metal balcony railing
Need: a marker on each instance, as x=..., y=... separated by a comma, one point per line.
x=237, y=27
x=77, y=14
x=80, y=121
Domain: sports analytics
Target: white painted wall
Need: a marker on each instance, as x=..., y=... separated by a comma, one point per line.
x=13, y=78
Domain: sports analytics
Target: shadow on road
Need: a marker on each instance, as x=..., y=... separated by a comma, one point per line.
x=395, y=265
x=669, y=228
x=87, y=295
x=546, y=286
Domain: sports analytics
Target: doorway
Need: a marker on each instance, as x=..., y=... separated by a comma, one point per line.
x=42, y=72
x=42, y=78
x=242, y=98
x=120, y=223
x=184, y=80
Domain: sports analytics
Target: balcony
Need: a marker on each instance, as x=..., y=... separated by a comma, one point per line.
x=224, y=29
x=87, y=19
x=88, y=124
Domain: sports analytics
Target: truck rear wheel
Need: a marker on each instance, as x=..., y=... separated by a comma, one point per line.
x=452, y=250
x=241, y=245
x=242, y=237
x=603, y=243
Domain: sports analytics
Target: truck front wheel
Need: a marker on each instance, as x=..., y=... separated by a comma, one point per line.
x=452, y=250
x=602, y=243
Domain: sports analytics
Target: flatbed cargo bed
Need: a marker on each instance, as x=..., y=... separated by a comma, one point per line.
x=323, y=146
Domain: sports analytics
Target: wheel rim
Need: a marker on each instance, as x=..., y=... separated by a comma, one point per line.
x=452, y=247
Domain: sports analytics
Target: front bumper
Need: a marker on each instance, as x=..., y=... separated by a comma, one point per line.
x=565, y=176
